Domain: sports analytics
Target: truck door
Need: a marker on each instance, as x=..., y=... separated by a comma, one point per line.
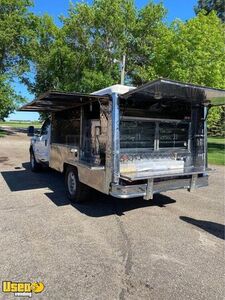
x=42, y=146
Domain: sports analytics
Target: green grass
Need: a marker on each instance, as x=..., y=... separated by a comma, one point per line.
x=216, y=150
x=18, y=124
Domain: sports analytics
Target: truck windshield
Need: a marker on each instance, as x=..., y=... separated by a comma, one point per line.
x=45, y=126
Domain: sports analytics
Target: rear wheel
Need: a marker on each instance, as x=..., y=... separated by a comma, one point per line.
x=35, y=166
x=75, y=190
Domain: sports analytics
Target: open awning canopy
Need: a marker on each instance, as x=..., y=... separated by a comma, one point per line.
x=160, y=89
x=57, y=101
x=164, y=89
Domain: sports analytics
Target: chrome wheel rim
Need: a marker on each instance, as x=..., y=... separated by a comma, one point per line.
x=71, y=182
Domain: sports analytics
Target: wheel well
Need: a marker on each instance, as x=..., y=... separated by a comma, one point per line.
x=66, y=165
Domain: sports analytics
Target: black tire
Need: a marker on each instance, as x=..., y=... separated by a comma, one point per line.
x=76, y=191
x=35, y=166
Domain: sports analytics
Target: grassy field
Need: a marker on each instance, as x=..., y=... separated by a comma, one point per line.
x=216, y=150
x=18, y=124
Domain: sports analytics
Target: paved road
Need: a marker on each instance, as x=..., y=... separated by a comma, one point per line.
x=168, y=248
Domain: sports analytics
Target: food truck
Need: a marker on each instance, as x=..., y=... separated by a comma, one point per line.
x=124, y=141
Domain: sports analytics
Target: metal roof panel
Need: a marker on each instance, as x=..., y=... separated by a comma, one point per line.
x=57, y=101
x=170, y=89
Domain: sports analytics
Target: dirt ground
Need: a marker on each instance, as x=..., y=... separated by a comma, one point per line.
x=169, y=248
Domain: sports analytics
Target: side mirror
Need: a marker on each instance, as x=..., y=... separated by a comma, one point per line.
x=97, y=130
x=30, y=131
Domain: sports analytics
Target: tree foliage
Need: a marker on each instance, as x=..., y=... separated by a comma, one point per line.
x=16, y=35
x=216, y=121
x=195, y=51
x=17, y=26
x=209, y=5
x=45, y=57
x=86, y=50
x=84, y=53
x=9, y=100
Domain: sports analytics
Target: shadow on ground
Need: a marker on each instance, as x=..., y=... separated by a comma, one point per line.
x=21, y=180
x=213, y=228
x=215, y=146
x=4, y=132
x=97, y=205
x=100, y=205
x=216, y=149
x=14, y=130
x=3, y=159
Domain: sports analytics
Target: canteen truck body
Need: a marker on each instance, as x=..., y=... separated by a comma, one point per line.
x=125, y=141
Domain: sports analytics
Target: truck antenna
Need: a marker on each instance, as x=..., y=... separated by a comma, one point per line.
x=123, y=65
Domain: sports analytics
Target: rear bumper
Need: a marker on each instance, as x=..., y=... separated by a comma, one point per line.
x=140, y=190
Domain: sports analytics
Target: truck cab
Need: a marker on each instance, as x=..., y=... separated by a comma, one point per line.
x=40, y=146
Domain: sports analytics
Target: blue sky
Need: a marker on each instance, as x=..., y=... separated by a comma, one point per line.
x=176, y=9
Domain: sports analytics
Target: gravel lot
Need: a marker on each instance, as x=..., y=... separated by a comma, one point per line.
x=168, y=248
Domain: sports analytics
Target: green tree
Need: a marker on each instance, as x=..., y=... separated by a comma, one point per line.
x=9, y=100
x=209, y=5
x=16, y=35
x=149, y=42
x=83, y=55
x=45, y=57
x=98, y=35
x=195, y=51
x=17, y=26
x=216, y=121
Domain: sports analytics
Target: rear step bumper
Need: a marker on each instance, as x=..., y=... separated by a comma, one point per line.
x=148, y=189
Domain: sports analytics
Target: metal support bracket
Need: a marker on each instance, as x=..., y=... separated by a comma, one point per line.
x=193, y=182
x=149, y=189
x=115, y=138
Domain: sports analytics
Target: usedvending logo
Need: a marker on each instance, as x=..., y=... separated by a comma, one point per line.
x=22, y=289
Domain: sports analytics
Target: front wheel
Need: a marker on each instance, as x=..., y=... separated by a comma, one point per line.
x=75, y=190
x=35, y=166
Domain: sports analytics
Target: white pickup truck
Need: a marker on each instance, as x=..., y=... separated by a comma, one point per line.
x=124, y=141
x=40, y=146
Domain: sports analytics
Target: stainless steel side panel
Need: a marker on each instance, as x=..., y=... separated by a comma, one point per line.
x=93, y=176
x=60, y=153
